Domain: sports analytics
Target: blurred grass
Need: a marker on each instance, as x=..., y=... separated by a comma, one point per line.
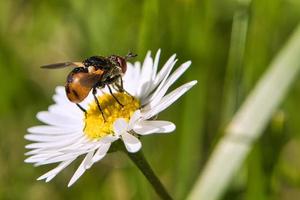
x=39, y=32
x=249, y=122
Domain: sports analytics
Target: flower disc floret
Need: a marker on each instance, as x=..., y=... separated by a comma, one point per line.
x=95, y=126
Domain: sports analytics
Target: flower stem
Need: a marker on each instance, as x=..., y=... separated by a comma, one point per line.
x=140, y=161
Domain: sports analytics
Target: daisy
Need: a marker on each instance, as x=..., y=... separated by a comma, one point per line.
x=69, y=133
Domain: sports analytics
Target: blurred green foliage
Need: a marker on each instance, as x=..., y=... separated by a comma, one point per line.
x=226, y=61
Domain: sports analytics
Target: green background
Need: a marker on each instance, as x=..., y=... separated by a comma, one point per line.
x=226, y=62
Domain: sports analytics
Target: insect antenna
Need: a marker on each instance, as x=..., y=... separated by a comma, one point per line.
x=130, y=55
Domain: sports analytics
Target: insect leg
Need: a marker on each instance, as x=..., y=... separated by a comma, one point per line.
x=81, y=108
x=121, y=88
x=110, y=91
x=97, y=102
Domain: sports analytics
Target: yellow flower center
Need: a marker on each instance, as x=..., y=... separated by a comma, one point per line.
x=95, y=126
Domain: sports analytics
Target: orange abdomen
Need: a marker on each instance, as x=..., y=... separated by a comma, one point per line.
x=76, y=92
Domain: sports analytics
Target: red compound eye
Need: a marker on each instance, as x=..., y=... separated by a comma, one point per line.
x=122, y=63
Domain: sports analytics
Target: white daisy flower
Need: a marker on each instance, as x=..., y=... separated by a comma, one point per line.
x=70, y=133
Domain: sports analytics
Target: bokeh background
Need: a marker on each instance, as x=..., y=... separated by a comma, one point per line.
x=227, y=62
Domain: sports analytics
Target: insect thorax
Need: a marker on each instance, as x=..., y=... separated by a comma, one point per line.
x=98, y=62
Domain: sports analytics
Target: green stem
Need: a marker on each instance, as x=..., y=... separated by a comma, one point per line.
x=140, y=161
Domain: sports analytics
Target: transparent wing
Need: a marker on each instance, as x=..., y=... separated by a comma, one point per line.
x=89, y=80
x=63, y=65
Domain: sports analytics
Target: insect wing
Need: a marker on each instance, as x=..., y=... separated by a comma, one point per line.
x=63, y=65
x=90, y=80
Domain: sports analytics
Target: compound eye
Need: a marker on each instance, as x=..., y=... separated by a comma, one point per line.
x=122, y=63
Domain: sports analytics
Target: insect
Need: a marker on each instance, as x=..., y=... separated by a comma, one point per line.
x=92, y=73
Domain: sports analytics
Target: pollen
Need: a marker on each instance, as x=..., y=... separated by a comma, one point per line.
x=95, y=126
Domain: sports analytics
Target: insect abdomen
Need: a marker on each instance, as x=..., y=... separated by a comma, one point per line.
x=75, y=91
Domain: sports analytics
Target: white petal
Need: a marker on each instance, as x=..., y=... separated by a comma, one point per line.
x=59, y=120
x=109, y=139
x=101, y=152
x=160, y=92
x=132, y=143
x=164, y=71
x=56, y=144
x=149, y=127
x=60, y=90
x=61, y=99
x=52, y=173
x=51, y=130
x=136, y=77
x=145, y=99
x=146, y=75
x=131, y=78
x=36, y=152
x=81, y=169
x=78, y=143
x=135, y=116
x=120, y=126
x=71, y=111
x=46, y=138
x=155, y=64
x=168, y=100
x=37, y=158
x=55, y=158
